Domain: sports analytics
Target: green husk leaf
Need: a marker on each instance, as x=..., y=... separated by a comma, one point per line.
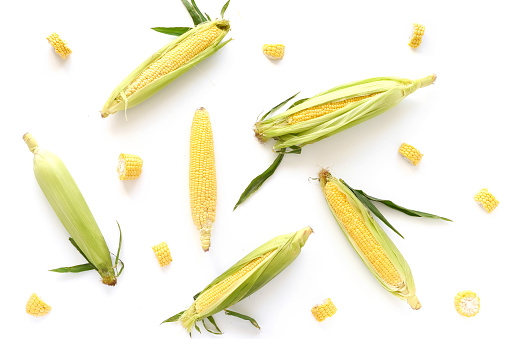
x=174, y=318
x=275, y=108
x=176, y=31
x=75, y=269
x=202, y=17
x=244, y=317
x=197, y=328
x=224, y=8
x=257, y=182
x=119, y=245
x=213, y=322
x=81, y=252
x=208, y=17
x=193, y=12
x=298, y=102
x=294, y=150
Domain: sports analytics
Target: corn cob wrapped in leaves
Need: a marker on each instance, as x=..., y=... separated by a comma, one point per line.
x=244, y=278
x=71, y=208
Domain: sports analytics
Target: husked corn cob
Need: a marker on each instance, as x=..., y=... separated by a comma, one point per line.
x=410, y=153
x=59, y=45
x=202, y=176
x=36, y=307
x=416, y=38
x=369, y=240
x=486, y=199
x=162, y=253
x=467, y=303
x=244, y=278
x=324, y=310
x=129, y=166
x=274, y=51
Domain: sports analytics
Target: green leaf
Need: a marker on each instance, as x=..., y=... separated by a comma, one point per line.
x=197, y=328
x=75, y=269
x=257, y=182
x=174, y=318
x=298, y=102
x=79, y=250
x=119, y=245
x=202, y=17
x=224, y=8
x=242, y=316
x=275, y=108
x=294, y=150
x=213, y=322
x=208, y=17
x=176, y=31
x=193, y=12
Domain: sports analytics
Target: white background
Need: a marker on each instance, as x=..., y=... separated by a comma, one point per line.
x=459, y=124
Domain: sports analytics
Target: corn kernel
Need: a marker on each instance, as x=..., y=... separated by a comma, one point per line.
x=274, y=51
x=467, y=303
x=416, y=38
x=163, y=254
x=486, y=199
x=410, y=153
x=129, y=166
x=324, y=310
x=59, y=45
x=36, y=307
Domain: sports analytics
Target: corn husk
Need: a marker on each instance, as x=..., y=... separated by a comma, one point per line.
x=71, y=208
x=285, y=249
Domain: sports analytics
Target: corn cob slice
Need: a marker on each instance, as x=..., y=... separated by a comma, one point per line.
x=162, y=253
x=202, y=176
x=416, y=38
x=36, y=307
x=71, y=208
x=467, y=303
x=244, y=278
x=369, y=240
x=486, y=199
x=323, y=311
x=410, y=153
x=167, y=64
x=59, y=45
x=129, y=166
x=274, y=51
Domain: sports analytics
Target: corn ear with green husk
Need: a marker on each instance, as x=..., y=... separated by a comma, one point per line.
x=71, y=208
x=243, y=279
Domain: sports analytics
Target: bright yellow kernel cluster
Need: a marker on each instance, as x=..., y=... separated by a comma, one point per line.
x=416, y=38
x=163, y=254
x=274, y=51
x=324, y=311
x=176, y=57
x=129, y=166
x=36, y=307
x=486, y=199
x=202, y=176
x=467, y=303
x=59, y=45
x=218, y=290
x=361, y=235
x=320, y=110
x=410, y=153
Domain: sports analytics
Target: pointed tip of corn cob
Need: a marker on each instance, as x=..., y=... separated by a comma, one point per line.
x=205, y=232
x=414, y=302
x=109, y=279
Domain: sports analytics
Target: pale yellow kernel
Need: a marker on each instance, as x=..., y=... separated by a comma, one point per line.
x=467, y=303
x=163, y=254
x=36, y=307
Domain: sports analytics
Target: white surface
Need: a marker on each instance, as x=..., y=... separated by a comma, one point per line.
x=459, y=124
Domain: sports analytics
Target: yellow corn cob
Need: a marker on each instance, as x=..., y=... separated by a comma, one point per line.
x=467, y=303
x=36, y=307
x=129, y=166
x=324, y=311
x=410, y=153
x=274, y=51
x=59, y=45
x=163, y=254
x=202, y=176
x=320, y=110
x=416, y=38
x=486, y=199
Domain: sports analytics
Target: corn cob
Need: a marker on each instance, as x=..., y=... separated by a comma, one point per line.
x=36, y=307
x=467, y=303
x=71, y=208
x=416, y=38
x=202, y=176
x=324, y=310
x=335, y=110
x=410, y=153
x=59, y=45
x=167, y=64
x=129, y=166
x=274, y=51
x=162, y=253
x=244, y=278
x=369, y=240
x=486, y=199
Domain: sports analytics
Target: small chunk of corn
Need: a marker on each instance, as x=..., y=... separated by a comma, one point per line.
x=274, y=51
x=163, y=254
x=467, y=303
x=129, y=166
x=324, y=310
x=59, y=45
x=410, y=153
x=36, y=307
x=416, y=38
x=486, y=199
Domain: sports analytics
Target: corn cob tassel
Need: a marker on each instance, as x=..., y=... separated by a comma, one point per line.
x=369, y=240
x=486, y=199
x=202, y=176
x=36, y=307
x=129, y=166
x=467, y=303
x=417, y=34
x=274, y=51
x=324, y=310
x=410, y=153
x=59, y=45
x=163, y=254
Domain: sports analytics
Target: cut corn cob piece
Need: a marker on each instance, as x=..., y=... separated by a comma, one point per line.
x=410, y=153
x=244, y=278
x=467, y=303
x=323, y=311
x=416, y=38
x=202, y=176
x=167, y=64
x=162, y=253
x=59, y=45
x=369, y=240
x=129, y=166
x=486, y=199
x=36, y=307
x=274, y=51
